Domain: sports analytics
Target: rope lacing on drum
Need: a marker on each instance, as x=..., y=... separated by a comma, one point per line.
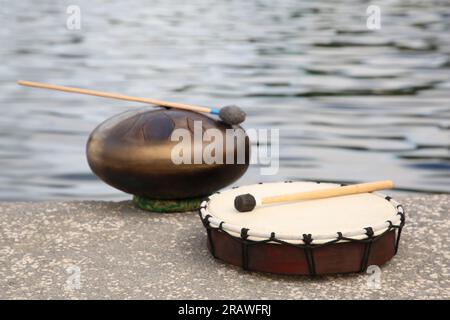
x=369, y=232
x=244, y=233
x=401, y=212
x=367, y=248
x=272, y=237
x=307, y=240
x=244, y=248
x=207, y=225
x=205, y=220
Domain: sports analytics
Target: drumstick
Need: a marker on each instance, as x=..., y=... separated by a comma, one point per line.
x=247, y=202
x=229, y=114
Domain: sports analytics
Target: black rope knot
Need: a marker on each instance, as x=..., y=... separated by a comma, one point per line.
x=272, y=236
x=401, y=212
x=205, y=220
x=390, y=224
x=340, y=237
x=244, y=233
x=307, y=239
x=369, y=232
x=402, y=219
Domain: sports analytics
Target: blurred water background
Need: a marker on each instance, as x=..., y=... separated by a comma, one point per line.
x=351, y=104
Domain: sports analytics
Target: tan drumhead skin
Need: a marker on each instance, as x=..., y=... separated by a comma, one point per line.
x=316, y=217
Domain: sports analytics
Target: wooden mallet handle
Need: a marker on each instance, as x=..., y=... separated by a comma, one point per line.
x=118, y=96
x=248, y=202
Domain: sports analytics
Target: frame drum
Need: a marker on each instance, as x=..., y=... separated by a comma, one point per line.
x=333, y=235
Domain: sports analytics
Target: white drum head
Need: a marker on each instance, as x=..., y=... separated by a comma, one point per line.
x=322, y=218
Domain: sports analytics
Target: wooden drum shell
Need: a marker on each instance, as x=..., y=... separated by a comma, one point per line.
x=343, y=257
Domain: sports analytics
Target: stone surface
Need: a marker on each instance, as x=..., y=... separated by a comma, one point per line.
x=121, y=252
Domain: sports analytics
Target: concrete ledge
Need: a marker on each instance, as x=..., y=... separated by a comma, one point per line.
x=124, y=253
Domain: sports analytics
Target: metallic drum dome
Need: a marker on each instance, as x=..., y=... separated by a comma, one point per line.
x=132, y=152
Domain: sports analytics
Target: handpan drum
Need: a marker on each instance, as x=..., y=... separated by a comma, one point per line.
x=333, y=235
x=132, y=152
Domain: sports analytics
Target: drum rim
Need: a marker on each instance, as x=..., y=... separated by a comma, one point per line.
x=396, y=222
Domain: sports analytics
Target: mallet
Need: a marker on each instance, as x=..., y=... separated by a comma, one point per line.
x=247, y=202
x=230, y=114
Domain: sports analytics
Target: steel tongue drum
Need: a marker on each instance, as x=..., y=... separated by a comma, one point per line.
x=134, y=152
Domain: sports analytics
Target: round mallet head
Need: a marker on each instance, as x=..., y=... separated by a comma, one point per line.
x=232, y=115
x=245, y=202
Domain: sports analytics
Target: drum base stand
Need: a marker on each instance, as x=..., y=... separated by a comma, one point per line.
x=167, y=206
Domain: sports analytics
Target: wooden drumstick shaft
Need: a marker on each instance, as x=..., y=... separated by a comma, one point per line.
x=247, y=202
x=118, y=96
x=331, y=192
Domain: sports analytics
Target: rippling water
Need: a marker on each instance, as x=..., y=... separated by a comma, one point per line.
x=351, y=104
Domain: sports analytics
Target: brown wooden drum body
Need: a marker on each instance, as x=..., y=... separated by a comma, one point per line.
x=307, y=255
x=288, y=259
